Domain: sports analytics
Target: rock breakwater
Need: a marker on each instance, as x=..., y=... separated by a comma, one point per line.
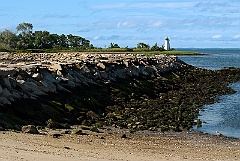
x=138, y=92
x=26, y=76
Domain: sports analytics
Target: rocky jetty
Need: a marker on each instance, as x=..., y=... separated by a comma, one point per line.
x=138, y=92
x=26, y=76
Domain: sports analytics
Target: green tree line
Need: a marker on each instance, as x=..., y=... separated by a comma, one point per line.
x=24, y=38
x=140, y=47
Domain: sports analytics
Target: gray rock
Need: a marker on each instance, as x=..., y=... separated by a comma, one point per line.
x=76, y=80
x=1, y=90
x=104, y=75
x=71, y=84
x=31, y=86
x=119, y=73
x=7, y=71
x=15, y=94
x=61, y=88
x=47, y=76
x=13, y=82
x=6, y=93
x=49, y=85
x=6, y=82
x=4, y=100
x=38, y=93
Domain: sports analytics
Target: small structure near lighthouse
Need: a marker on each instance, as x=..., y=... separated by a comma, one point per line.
x=167, y=44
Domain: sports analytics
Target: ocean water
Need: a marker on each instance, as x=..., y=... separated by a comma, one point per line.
x=224, y=115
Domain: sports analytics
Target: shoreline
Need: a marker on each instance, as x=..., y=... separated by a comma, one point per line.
x=110, y=145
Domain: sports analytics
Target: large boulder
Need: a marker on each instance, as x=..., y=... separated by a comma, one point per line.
x=6, y=82
x=6, y=93
x=48, y=86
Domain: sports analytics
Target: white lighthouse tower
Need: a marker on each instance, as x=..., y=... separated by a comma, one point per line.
x=167, y=44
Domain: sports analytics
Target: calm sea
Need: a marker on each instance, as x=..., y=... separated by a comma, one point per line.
x=223, y=115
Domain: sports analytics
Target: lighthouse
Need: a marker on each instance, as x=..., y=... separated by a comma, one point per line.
x=167, y=44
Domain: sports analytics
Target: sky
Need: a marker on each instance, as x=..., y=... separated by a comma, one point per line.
x=188, y=24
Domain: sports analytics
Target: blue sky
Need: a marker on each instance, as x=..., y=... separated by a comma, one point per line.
x=199, y=24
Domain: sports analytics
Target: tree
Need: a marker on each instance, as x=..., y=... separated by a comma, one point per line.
x=74, y=41
x=43, y=40
x=24, y=27
x=86, y=43
x=63, y=41
x=155, y=47
x=55, y=39
x=26, y=39
x=143, y=45
x=112, y=45
x=8, y=39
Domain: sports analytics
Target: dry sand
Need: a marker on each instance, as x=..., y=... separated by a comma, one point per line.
x=111, y=146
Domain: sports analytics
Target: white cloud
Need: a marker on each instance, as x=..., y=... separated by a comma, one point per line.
x=217, y=36
x=95, y=37
x=236, y=37
x=125, y=24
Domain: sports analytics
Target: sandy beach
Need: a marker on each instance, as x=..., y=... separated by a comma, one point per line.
x=109, y=145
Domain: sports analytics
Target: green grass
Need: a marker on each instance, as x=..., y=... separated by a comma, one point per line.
x=174, y=52
x=148, y=52
x=110, y=51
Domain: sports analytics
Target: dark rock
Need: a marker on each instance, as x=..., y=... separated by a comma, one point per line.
x=79, y=132
x=66, y=147
x=30, y=129
x=124, y=136
x=94, y=129
x=56, y=135
x=65, y=126
x=53, y=125
x=67, y=132
x=56, y=125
